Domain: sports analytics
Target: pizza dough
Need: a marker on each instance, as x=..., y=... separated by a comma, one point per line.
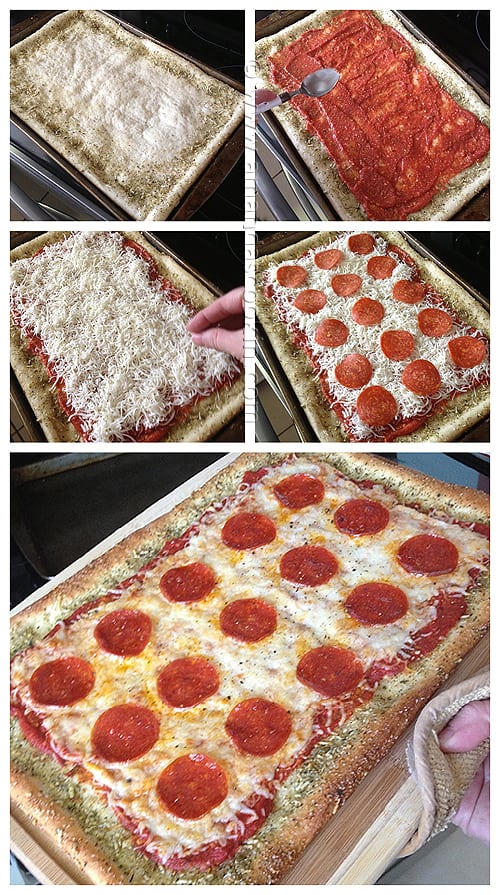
x=375, y=290
x=383, y=671
x=138, y=120
x=127, y=365
x=370, y=158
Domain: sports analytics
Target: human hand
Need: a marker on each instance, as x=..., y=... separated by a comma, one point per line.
x=221, y=324
x=263, y=95
x=469, y=727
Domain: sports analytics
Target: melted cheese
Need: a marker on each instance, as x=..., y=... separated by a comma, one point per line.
x=365, y=340
x=308, y=617
x=115, y=339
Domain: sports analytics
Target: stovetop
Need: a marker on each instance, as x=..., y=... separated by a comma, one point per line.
x=213, y=38
x=464, y=35
x=465, y=252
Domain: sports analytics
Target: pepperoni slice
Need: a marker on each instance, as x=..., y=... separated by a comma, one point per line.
x=291, y=275
x=187, y=681
x=376, y=406
x=330, y=670
x=397, y=344
x=434, y=323
x=308, y=566
x=361, y=243
x=191, y=786
x=248, y=620
x=125, y=732
x=187, y=584
x=421, y=377
x=381, y=267
x=361, y=517
x=377, y=603
x=428, y=555
x=246, y=531
x=331, y=333
x=408, y=291
x=310, y=301
x=328, y=259
x=354, y=371
x=124, y=632
x=346, y=284
x=368, y=312
x=258, y=726
x=466, y=351
x=299, y=491
x=62, y=681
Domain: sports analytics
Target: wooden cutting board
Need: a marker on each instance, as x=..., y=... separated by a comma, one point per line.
x=354, y=848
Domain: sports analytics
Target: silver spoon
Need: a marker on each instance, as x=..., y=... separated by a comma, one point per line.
x=316, y=83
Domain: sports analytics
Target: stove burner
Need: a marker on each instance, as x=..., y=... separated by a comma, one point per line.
x=464, y=36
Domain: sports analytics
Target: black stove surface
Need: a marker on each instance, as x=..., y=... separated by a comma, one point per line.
x=218, y=255
x=464, y=35
x=465, y=252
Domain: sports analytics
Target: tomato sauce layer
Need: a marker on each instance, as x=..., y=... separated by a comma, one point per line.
x=396, y=137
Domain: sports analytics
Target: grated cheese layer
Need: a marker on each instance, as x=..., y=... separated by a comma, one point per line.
x=114, y=339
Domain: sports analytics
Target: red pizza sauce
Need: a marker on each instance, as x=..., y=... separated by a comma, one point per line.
x=396, y=137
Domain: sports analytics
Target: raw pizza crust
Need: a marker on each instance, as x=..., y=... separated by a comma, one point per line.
x=207, y=418
x=80, y=824
x=459, y=415
x=139, y=121
x=460, y=190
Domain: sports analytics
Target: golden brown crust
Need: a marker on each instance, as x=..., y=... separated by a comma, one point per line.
x=204, y=421
x=445, y=204
x=315, y=791
x=458, y=416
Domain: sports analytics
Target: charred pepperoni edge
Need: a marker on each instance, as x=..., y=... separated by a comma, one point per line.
x=327, y=719
x=35, y=346
x=401, y=426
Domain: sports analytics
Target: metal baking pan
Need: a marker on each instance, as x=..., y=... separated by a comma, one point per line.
x=198, y=193
x=62, y=506
x=478, y=209
x=270, y=366
x=31, y=430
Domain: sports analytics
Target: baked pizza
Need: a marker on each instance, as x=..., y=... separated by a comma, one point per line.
x=401, y=137
x=193, y=705
x=138, y=120
x=378, y=343
x=100, y=346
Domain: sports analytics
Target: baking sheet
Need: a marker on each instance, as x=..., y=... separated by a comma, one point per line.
x=477, y=209
x=269, y=363
x=52, y=532
x=32, y=431
x=355, y=847
x=206, y=184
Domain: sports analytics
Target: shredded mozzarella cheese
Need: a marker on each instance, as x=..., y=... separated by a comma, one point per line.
x=116, y=340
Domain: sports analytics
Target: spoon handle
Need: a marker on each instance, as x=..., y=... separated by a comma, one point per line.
x=270, y=104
